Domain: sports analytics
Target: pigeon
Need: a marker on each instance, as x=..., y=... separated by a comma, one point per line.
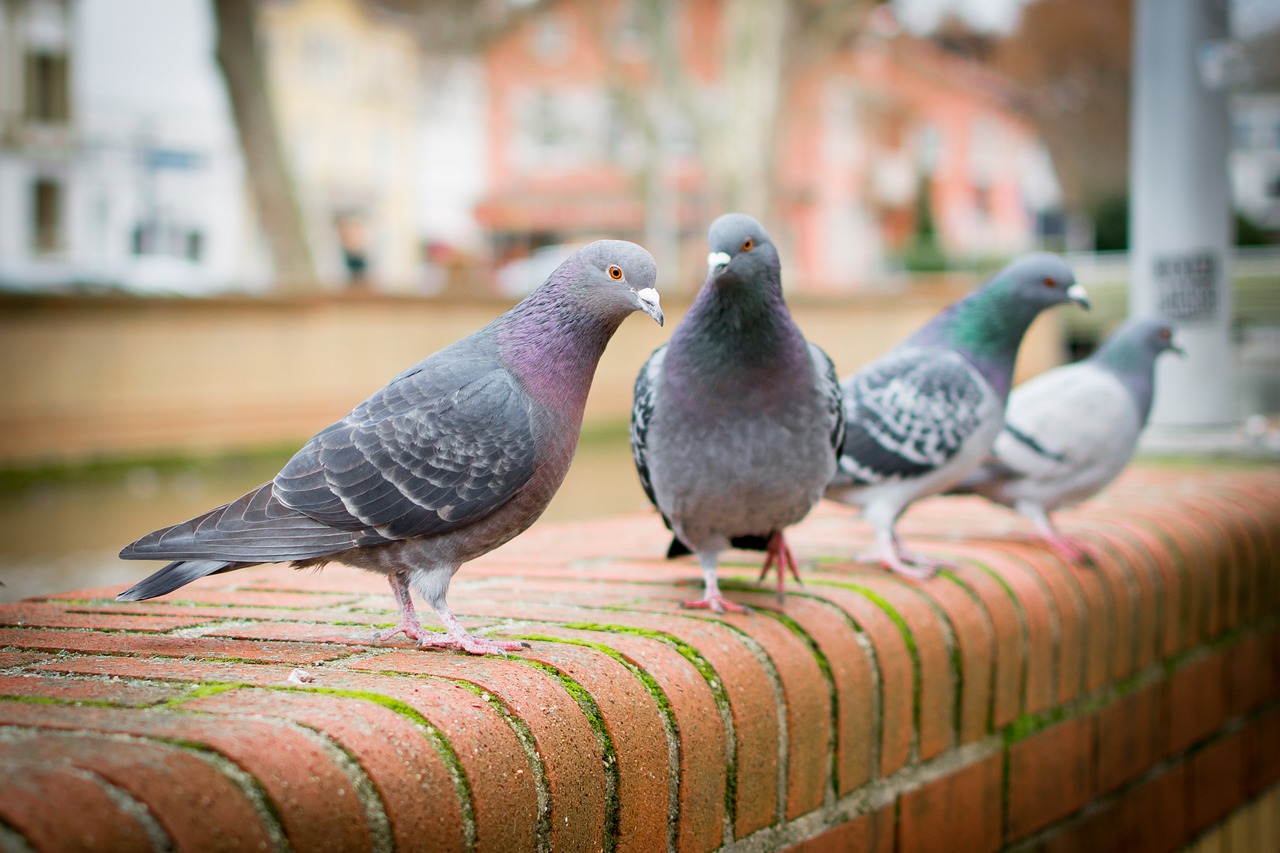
x=455, y=456
x=1070, y=431
x=925, y=414
x=737, y=421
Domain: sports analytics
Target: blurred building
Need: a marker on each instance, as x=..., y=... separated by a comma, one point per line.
x=346, y=83
x=867, y=135
x=1255, y=157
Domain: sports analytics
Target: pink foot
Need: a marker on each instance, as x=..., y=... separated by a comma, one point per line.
x=1073, y=550
x=464, y=642
x=410, y=627
x=779, y=555
x=717, y=603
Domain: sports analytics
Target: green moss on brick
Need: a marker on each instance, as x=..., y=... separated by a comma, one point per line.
x=608, y=754
x=708, y=673
x=659, y=696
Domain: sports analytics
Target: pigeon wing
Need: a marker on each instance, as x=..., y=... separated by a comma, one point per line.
x=433, y=451
x=642, y=415
x=907, y=414
x=832, y=395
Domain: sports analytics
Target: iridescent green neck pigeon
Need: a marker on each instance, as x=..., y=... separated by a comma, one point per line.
x=1070, y=431
x=454, y=457
x=923, y=416
x=737, y=421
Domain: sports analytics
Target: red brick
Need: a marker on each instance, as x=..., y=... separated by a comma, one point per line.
x=1130, y=612
x=634, y=724
x=34, y=801
x=937, y=684
x=1077, y=620
x=502, y=789
x=302, y=632
x=1145, y=586
x=1153, y=816
x=807, y=696
x=1217, y=780
x=1039, y=618
x=1011, y=647
x=702, y=741
x=1255, y=673
x=37, y=614
x=755, y=719
x=1237, y=573
x=1131, y=737
x=1262, y=752
x=561, y=733
x=851, y=674
x=317, y=802
x=86, y=690
x=411, y=779
x=297, y=654
x=1169, y=578
x=13, y=660
x=960, y=811
x=1180, y=529
x=1050, y=775
x=868, y=833
x=195, y=805
x=1197, y=700
x=894, y=668
x=1095, y=829
x=971, y=632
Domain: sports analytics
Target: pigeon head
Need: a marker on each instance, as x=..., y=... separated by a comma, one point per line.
x=608, y=279
x=741, y=252
x=1135, y=346
x=988, y=325
x=1038, y=281
x=1130, y=354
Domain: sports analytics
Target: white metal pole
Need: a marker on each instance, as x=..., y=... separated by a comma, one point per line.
x=1180, y=208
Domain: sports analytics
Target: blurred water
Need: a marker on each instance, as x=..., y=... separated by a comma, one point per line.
x=61, y=531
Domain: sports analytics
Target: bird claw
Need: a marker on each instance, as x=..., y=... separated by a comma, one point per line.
x=777, y=556
x=411, y=629
x=465, y=642
x=1073, y=550
x=716, y=603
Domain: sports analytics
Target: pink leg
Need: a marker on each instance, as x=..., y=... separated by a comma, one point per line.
x=779, y=555
x=711, y=598
x=456, y=637
x=408, y=624
x=1073, y=550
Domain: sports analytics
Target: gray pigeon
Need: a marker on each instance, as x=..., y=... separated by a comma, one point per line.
x=737, y=421
x=451, y=459
x=924, y=415
x=1071, y=431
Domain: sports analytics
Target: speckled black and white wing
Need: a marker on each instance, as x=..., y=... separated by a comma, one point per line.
x=908, y=414
x=642, y=408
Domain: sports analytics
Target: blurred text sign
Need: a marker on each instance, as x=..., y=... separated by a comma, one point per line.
x=1188, y=286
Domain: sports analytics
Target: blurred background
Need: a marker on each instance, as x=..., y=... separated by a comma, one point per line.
x=225, y=222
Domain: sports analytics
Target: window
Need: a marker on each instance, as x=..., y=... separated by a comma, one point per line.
x=48, y=97
x=47, y=218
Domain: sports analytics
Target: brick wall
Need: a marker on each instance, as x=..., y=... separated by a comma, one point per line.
x=1014, y=703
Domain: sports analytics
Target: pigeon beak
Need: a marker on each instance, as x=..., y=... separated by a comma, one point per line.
x=1076, y=294
x=717, y=260
x=649, y=303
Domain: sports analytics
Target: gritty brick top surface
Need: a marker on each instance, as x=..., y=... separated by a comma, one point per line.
x=254, y=709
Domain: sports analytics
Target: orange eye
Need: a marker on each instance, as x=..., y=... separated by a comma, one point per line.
x=1048, y=282
x=748, y=244
x=615, y=272
x=1164, y=335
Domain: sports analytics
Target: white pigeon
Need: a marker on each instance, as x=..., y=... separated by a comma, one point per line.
x=1070, y=431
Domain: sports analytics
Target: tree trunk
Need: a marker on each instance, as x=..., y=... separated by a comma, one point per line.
x=279, y=213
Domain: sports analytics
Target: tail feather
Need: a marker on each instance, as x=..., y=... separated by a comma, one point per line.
x=176, y=574
x=255, y=528
x=746, y=543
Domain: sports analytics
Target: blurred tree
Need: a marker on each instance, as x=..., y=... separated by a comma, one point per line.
x=279, y=213
x=1072, y=58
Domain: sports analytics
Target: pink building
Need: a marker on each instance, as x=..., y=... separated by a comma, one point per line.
x=862, y=134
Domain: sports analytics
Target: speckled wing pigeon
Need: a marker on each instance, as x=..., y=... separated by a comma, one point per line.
x=923, y=416
x=1070, y=431
x=738, y=420
x=451, y=459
